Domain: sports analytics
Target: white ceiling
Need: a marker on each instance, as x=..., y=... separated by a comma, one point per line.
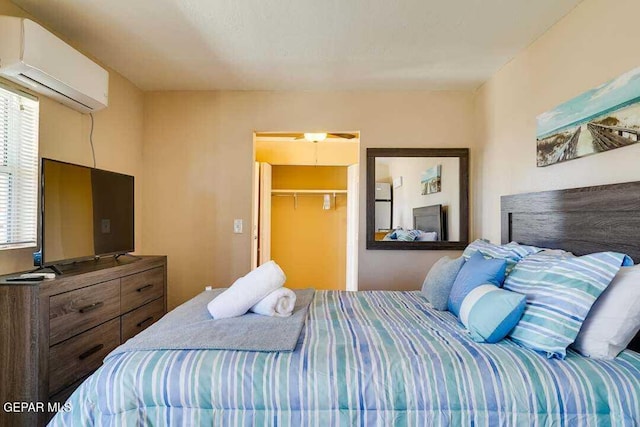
x=301, y=44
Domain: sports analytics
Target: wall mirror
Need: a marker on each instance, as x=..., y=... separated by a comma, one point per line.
x=417, y=198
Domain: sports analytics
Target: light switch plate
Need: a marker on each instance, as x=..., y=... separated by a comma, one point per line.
x=237, y=226
x=105, y=226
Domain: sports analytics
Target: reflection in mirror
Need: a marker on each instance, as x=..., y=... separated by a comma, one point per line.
x=417, y=199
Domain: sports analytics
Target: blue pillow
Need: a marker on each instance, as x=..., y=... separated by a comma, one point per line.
x=560, y=292
x=475, y=272
x=437, y=285
x=490, y=313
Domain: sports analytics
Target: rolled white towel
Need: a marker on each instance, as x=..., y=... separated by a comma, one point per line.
x=247, y=291
x=278, y=303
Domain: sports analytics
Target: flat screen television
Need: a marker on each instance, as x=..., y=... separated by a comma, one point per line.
x=85, y=213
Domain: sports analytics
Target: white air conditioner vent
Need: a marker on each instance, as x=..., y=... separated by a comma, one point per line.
x=35, y=58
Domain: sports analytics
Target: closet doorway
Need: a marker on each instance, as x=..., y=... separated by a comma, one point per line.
x=305, y=207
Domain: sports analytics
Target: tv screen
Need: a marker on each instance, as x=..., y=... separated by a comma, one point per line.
x=86, y=212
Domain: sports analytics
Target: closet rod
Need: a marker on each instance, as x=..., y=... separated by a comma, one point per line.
x=308, y=191
x=295, y=193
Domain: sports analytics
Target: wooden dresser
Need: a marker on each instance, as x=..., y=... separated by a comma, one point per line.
x=55, y=333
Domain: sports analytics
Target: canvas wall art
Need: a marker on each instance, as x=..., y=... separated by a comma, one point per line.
x=601, y=119
x=430, y=180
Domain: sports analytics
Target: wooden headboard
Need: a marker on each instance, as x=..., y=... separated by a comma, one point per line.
x=579, y=220
x=431, y=218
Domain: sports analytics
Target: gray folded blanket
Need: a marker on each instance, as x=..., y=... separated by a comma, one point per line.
x=190, y=327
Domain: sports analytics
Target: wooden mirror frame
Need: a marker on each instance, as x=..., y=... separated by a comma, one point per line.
x=462, y=154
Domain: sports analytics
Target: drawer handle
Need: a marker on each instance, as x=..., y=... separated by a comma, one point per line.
x=145, y=322
x=144, y=288
x=91, y=307
x=91, y=351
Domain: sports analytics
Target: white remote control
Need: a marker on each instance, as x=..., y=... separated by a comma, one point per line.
x=43, y=275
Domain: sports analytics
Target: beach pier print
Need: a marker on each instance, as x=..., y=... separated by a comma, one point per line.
x=601, y=119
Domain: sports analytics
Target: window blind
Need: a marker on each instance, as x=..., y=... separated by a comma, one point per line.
x=18, y=169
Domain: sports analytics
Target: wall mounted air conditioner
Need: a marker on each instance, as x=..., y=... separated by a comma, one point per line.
x=33, y=57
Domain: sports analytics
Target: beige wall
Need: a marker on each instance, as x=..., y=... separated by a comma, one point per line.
x=64, y=135
x=597, y=41
x=198, y=151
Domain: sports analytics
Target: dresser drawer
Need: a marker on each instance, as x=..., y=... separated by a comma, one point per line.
x=78, y=356
x=141, y=288
x=141, y=318
x=77, y=311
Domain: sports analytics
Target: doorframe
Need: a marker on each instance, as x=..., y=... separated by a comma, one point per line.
x=353, y=217
x=255, y=215
x=261, y=220
x=264, y=214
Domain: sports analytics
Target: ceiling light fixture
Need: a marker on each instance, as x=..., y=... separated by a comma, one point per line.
x=315, y=137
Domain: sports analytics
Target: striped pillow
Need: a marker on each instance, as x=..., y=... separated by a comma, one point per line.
x=511, y=252
x=490, y=313
x=403, y=235
x=560, y=292
x=407, y=235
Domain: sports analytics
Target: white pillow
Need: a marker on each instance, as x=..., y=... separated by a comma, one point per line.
x=614, y=319
x=427, y=236
x=556, y=252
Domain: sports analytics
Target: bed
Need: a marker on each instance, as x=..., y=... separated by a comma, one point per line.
x=388, y=358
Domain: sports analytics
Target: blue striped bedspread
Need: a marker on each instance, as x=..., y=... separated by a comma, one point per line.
x=365, y=358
